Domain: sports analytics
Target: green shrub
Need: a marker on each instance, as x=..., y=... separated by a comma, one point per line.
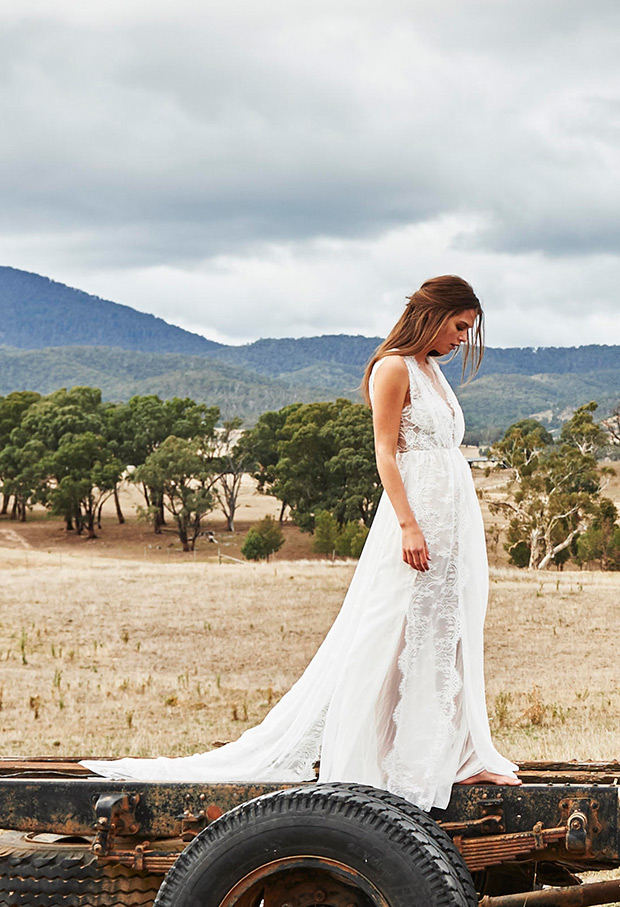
x=326, y=532
x=263, y=540
x=331, y=538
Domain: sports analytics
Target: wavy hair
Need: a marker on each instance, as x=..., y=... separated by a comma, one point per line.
x=425, y=315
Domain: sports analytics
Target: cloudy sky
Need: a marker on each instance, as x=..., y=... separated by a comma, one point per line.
x=289, y=168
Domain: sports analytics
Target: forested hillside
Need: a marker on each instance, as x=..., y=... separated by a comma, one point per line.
x=491, y=403
x=120, y=374
x=54, y=336
x=36, y=312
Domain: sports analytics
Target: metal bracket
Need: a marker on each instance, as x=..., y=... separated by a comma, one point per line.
x=581, y=817
x=577, y=839
x=483, y=826
x=484, y=816
x=192, y=823
x=115, y=815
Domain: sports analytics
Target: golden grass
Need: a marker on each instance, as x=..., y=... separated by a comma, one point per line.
x=115, y=657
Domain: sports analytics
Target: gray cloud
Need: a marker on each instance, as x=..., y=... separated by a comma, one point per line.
x=221, y=148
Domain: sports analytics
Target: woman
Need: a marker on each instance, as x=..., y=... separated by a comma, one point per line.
x=394, y=696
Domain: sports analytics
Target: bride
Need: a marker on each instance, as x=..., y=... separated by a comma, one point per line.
x=394, y=697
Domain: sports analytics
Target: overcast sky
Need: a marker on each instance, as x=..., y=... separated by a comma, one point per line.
x=288, y=168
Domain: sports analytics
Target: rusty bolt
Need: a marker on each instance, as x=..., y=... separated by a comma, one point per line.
x=576, y=823
x=595, y=804
x=97, y=848
x=319, y=895
x=564, y=804
x=133, y=829
x=103, y=820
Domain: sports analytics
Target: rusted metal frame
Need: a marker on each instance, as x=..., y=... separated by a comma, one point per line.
x=570, y=772
x=67, y=806
x=192, y=822
x=35, y=768
x=530, y=772
x=588, y=812
x=588, y=895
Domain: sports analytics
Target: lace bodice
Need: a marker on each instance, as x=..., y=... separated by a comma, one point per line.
x=433, y=419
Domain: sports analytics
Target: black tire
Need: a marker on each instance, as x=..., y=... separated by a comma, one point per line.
x=433, y=830
x=38, y=872
x=314, y=845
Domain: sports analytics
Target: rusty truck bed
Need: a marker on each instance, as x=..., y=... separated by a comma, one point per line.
x=565, y=814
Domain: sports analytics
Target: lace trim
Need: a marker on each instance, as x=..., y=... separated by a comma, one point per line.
x=299, y=765
x=433, y=623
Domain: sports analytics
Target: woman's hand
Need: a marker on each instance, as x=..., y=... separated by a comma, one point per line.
x=415, y=550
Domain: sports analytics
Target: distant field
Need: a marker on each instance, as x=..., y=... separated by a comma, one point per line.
x=137, y=541
x=113, y=657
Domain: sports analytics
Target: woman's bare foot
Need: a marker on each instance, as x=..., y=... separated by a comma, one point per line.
x=490, y=778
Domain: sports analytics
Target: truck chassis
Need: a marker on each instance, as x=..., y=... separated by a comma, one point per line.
x=515, y=841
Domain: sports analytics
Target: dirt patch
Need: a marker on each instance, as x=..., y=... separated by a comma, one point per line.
x=9, y=538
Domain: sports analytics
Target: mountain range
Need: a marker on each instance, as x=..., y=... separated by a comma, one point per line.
x=52, y=335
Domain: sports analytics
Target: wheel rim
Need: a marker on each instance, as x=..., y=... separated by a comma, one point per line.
x=304, y=881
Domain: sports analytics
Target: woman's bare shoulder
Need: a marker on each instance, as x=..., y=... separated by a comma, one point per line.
x=391, y=367
x=391, y=376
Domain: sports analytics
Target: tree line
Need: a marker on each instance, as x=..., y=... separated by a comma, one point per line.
x=70, y=451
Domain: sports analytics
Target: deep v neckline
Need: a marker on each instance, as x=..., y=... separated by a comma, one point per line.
x=434, y=384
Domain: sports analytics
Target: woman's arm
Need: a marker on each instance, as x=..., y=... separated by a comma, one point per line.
x=391, y=384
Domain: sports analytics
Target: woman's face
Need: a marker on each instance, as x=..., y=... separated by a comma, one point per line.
x=454, y=331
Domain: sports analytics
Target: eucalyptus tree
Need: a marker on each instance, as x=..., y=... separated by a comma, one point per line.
x=325, y=461
x=12, y=409
x=262, y=443
x=185, y=473
x=48, y=424
x=86, y=473
x=140, y=426
x=234, y=458
x=555, y=492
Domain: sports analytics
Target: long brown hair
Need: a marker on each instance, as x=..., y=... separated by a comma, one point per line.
x=425, y=314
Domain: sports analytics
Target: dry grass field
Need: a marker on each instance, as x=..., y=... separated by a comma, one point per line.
x=106, y=656
x=126, y=645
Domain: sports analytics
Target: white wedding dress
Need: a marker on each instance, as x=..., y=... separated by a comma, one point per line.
x=394, y=697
